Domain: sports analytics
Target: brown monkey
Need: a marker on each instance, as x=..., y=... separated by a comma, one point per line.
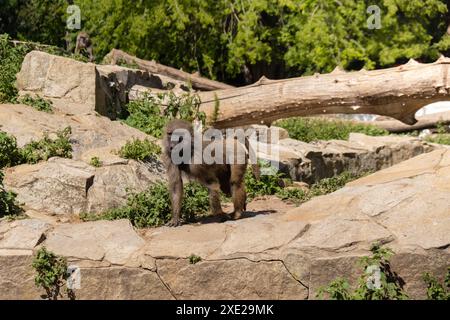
x=224, y=176
x=84, y=44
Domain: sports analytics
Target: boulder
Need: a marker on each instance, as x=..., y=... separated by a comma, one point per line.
x=65, y=186
x=92, y=135
x=311, y=162
x=77, y=87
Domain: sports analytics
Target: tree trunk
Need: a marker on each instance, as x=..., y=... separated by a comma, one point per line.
x=424, y=122
x=197, y=82
x=395, y=92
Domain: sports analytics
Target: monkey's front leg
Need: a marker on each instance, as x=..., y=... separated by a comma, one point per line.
x=176, y=195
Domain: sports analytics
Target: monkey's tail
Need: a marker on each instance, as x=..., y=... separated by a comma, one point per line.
x=256, y=170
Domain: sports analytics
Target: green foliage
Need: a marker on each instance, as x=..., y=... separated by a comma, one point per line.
x=35, y=151
x=9, y=152
x=151, y=113
x=51, y=273
x=372, y=285
x=312, y=129
x=8, y=204
x=46, y=148
x=274, y=185
x=295, y=195
x=43, y=21
x=266, y=185
x=145, y=114
x=436, y=290
x=38, y=103
x=442, y=136
x=152, y=207
x=277, y=38
x=193, y=259
x=123, y=63
x=140, y=150
x=222, y=38
x=11, y=58
x=329, y=185
x=95, y=162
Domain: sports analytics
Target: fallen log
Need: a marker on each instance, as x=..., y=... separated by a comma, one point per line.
x=395, y=92
x=423, y=122
x=197, y=82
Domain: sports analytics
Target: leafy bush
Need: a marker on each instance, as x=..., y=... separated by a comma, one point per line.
x=193, y=259
x=436, y=290
x=266, y=185
x=152, y=207
x=140, y=150
x=274, y=185
x=95, y=162
x=377, y=283
x=11, y=58
x=46, y=148
x=295, y=195
x=312, y=129
x=8, y=205
x=151, y=113
x=329, y=185
x=51, y=273
x=440, y=138
x=37, y=102
x=9, y=152
x=195, y=201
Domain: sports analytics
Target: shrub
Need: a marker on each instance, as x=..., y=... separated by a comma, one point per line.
x=330, y=185
x=140, y=150
x=377, y=283
x=95, y=162
x=439, y=138
x=152, y=207
x=436, y=290
x=145, y=115
x=37, y=102
x=295, y=195
x=274, y=185
x=266, y=185
x=193, y=259
x=11, y=58
x=51, y=274
x=46, y=148
x=9, y=152
x=8, y=205
x=312, y=129
x=151, y=113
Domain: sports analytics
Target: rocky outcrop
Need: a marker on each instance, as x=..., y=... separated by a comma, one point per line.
x=64, y=186
x=287, y=253
x=77, y=87
x=311, y=162
x=72, y=186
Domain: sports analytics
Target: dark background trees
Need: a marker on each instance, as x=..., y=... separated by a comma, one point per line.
x=238, y=41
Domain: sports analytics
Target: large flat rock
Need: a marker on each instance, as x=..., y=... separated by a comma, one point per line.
x=287, y=254
x=65, y=186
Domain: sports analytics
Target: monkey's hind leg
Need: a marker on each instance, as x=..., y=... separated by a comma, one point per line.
x=214, y=199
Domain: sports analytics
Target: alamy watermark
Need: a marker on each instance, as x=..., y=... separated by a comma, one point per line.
x=73, y=281
x=374, y=21
x=73, y=22
x=232, y=146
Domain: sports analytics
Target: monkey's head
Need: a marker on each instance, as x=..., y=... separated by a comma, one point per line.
x=177, y=131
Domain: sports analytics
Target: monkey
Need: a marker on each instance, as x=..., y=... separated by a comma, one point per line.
x=216, y=177
x=84, y=44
